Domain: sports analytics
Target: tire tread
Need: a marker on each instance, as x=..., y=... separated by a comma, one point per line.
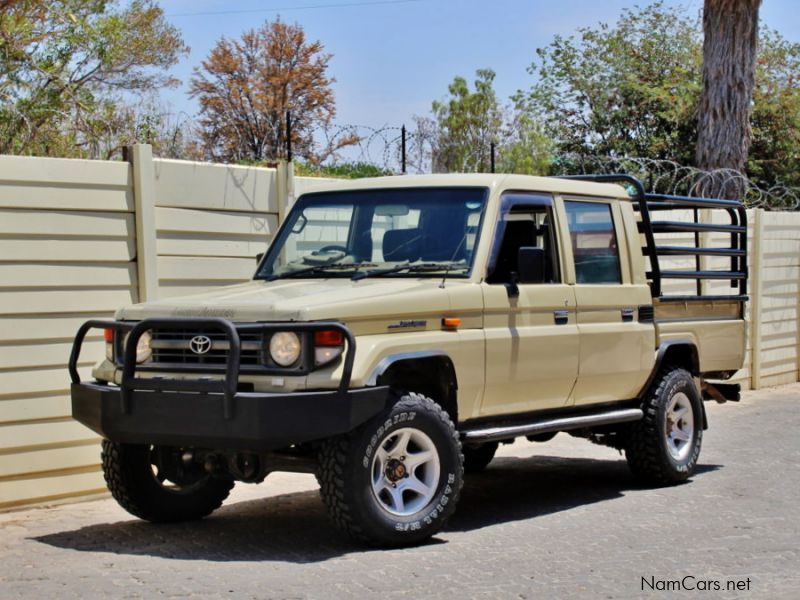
x=643, y=450
x=119, y=472
x=333, y=462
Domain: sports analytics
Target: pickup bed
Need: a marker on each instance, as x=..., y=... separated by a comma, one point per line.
x=398, y=329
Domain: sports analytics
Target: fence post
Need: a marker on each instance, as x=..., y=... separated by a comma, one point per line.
x=756, y=291
x=290, y=191
x=285, y=188
x=403, y=149
x=144, y=198
x=289, y=136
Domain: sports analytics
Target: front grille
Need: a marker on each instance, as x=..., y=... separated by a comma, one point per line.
x=172, y=347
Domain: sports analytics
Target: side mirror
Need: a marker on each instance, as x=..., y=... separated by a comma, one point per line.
x=531, y=263
x=259, y=256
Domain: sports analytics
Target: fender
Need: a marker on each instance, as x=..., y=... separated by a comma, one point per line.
x=676, y=346
x=432, y=372
x=661, y=354
x=388, y=361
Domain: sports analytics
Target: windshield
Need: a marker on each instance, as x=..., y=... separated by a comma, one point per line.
x=407, y=232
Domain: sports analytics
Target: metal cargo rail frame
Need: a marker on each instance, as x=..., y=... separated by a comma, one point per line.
x=647, y=203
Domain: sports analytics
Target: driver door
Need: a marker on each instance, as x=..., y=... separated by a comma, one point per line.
x=531, y=336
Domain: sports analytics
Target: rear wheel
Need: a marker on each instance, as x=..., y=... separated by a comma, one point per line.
x=664, y=446
x=155, y=483
x=396, y=480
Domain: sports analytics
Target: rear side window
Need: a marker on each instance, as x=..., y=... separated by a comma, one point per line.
x=594, y=242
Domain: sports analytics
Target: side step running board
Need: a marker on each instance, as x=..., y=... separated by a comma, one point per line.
x=493, y=434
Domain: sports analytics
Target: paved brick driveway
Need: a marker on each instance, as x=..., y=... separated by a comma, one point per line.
x=548, y=520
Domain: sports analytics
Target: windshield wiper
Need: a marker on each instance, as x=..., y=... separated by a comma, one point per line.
x=317, y=269
x=410, y=268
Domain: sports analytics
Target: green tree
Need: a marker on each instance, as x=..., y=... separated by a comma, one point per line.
x=634, y=89
x=468, y=122
x=64, y=65
x=775, y=121
x=630, y=89
x=114, y=125
x=525, y=148
x=344, y=170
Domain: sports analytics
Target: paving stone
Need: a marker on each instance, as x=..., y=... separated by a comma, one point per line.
x=550, y=520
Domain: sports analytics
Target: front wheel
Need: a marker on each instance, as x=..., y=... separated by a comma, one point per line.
x=664, y=446
x=396, y=480
x=155, y=483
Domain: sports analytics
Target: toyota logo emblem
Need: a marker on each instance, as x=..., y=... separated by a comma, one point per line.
x=200, y=344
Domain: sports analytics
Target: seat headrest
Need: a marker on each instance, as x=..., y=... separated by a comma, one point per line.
x=401, y=245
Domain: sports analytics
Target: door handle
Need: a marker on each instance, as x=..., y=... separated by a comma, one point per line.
x=561, y=317
x=627, y=314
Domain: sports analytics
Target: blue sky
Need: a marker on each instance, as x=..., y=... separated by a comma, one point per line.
x=391, y=60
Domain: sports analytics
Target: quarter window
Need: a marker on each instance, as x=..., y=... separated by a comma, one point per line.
x=594, y=242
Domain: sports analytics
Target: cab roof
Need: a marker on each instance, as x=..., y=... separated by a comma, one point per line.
x=493, y=181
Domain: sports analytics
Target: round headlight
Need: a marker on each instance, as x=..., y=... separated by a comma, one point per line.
x=143, y=349
x=284, y=348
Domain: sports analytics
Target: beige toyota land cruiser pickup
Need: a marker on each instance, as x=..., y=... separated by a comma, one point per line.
x=398, y=329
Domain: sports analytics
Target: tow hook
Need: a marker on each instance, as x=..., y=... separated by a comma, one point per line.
x=721, y=392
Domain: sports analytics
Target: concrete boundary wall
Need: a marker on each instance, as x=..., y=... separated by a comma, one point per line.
x=210, y=223
x=80, y=238
x=67, y=254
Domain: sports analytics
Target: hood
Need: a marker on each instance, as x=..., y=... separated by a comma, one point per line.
x=309, y=300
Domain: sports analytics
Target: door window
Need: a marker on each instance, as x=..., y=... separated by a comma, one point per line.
x=525, y=227
x=594, y=242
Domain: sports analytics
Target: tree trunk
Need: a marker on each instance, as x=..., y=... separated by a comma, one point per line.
x=730, y=43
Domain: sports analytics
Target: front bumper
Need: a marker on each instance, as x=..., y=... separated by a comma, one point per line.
x=214, y=414
x=258, y=422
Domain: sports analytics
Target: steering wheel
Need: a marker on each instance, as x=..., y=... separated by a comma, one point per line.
x=330, y=248
x=325, y=255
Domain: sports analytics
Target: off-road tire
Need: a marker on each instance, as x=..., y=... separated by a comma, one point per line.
x=647, y=449
x=477, y=458
x=130, y=479
x=346, y=475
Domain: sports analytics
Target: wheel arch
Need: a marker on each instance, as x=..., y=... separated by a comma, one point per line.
x=681, y=353
x=429, y=372
x=678, y=353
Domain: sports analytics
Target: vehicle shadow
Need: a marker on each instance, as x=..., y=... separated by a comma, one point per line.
x=513, y=489
x=295, y=528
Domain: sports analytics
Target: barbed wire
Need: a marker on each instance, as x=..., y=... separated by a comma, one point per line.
x=393, y=149
x=381, y=147
x=670, y=177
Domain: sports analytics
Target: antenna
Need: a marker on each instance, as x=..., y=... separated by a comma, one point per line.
x=453, y=257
